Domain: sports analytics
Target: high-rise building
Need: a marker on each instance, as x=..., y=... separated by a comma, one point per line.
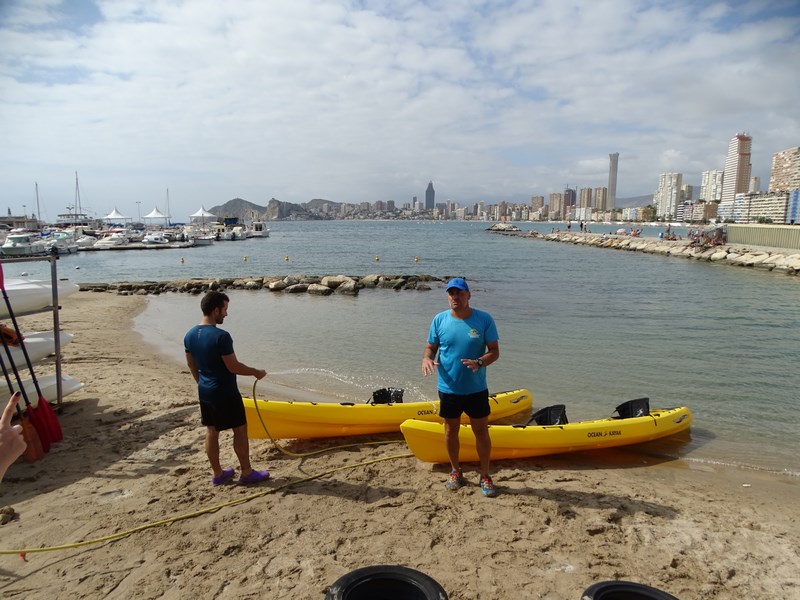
x=613, y=163
x=586, y=198
x=556, y=205
x=755, y=185
x=737, y=167
x=569, y=198
x=785, y=175
x=667, y=196
x=601, y=198
x=537, y=203
x=711, y=186
x=430, y=194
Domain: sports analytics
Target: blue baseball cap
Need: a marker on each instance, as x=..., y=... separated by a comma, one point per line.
x=459, y=283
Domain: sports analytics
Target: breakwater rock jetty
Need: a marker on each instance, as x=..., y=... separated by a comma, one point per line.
x=290, y=284
x=777, y=260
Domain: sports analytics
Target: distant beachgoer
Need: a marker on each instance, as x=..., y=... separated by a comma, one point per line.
x=214, y=366
x=12, y=444
x=467, y=342
x=569, y=226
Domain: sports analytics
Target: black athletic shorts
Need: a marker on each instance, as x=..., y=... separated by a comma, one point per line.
x=451, y=406
x=223, y=414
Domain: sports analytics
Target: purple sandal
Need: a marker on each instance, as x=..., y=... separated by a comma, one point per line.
x=226, y=476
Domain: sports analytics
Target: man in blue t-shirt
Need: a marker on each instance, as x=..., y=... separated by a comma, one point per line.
x=214, y=366
x=467, y=341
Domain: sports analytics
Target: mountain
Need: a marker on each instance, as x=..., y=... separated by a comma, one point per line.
x=276, y=210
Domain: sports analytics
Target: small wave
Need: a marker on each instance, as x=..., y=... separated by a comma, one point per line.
x=740, y=466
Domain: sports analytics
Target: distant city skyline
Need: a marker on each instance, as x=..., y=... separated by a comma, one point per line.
x=366, y=102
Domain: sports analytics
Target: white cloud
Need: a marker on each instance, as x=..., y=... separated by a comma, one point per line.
x=362, y=101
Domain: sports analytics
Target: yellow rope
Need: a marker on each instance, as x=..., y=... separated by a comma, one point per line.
x=197, y=513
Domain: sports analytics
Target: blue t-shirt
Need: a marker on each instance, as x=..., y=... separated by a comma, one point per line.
x=208, y=344
x=459, y=339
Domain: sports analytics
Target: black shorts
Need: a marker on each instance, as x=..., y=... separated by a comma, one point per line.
x=476, y=405
x=225, y=414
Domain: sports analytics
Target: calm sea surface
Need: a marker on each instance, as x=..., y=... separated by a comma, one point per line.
x=581, y=326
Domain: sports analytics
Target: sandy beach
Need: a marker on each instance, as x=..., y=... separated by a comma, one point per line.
x=133, y=456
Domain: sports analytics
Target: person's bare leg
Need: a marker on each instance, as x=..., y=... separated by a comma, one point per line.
x=483, y=443
x=451, y=441
x=241, y=445
x=212, y=450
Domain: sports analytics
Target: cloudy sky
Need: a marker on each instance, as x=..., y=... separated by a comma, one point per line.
x=368, y=100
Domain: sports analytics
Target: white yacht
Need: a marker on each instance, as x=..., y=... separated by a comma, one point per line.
x=24, y=243
x=111, y=240
x=258, y=229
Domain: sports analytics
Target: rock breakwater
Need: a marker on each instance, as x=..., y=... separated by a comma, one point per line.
x=768, y=259
x=291, y=284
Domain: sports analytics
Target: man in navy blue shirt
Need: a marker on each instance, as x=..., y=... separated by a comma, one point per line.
x=214, y=366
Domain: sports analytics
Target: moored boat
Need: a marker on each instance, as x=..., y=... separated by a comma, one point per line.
x=30, y=295
x=258, y=229
x=111, y=240
x=426, y=440
x=328, y=419
x=23, y=243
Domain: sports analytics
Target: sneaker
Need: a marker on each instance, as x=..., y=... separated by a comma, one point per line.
x=487, y=487
x=254, y=477
x=456, y=480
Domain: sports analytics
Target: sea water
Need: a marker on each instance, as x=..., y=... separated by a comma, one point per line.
x=582, y=326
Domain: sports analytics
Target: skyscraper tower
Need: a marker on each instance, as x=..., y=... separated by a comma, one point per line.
x=736, y=179
x=430, y=194
x=785, y=175
x=613, y=162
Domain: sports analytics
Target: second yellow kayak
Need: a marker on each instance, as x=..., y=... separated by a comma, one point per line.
x=426, y=440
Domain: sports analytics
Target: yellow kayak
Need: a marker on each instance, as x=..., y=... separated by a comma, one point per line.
x=426, y=440
x=328, y=419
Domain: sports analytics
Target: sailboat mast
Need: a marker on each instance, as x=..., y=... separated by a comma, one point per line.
x=78, y=209
x=167, y=215
x=38, y=211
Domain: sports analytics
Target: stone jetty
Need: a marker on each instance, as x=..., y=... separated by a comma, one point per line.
x=291, y=284
x=777, y=260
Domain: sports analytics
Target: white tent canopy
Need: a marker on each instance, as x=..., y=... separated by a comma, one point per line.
x=155, y=214
x=115, y=215
x=202, y=213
